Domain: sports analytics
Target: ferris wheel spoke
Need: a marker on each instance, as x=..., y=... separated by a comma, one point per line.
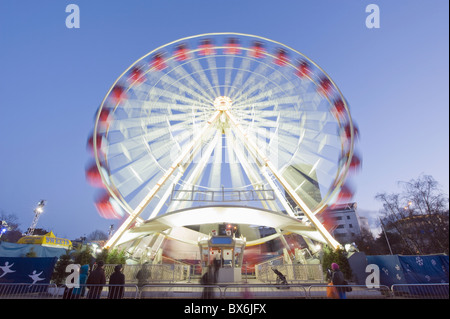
x=228, y=73
x=236, y=169
x=267, y=84
x=200, y=71
x=310, y=155
x=195, y=174
x=132, y=140
x=253, y=79
x=284, y=102
x=247, y=163
x=178, y=88
x=267, y=97
x=128, y=180
x=238, y=80
x=170, y=98
x=258, y=90
x=182, y=74
x=212, y=67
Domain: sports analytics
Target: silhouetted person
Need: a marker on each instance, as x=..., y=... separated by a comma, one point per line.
x=143, y=275
x=95, y=281
x=207, y=279
x=337, y=278
x=117, y=278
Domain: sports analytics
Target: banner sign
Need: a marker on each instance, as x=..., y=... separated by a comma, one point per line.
x=26, y=269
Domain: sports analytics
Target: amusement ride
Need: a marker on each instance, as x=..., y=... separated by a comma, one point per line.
x=221, y=135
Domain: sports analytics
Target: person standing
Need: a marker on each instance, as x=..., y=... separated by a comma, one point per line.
x=77, y=293
x=143, y=275
x=116, y=282
x=206, y=280
x=95, y=281
x=337, y=278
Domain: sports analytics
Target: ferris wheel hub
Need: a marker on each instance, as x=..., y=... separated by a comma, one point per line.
x=222, y=103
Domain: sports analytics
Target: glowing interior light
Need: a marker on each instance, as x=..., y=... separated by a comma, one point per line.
x=222, y=103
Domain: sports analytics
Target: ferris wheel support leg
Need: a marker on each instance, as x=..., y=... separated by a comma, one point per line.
x=306, y=210
x=252, y=174
x=165, y=196
x=280, y=197
x=140, y=208
x=195, y=175
x=276, y=190
x=322, y=230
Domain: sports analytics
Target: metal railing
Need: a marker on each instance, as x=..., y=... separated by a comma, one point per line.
x=180, y=291
x=52, y=291
x=26, y=291
x=294, y=273
x=226, y=291
x=223, y=195
x=265, y=291
x=421, y=291
x=152, y=272
x=357, y=292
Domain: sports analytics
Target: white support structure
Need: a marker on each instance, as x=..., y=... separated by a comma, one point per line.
x=194, y=176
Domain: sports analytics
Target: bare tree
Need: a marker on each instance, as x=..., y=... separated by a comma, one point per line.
x=97, y=235
x=13, y=232
x=419, y=215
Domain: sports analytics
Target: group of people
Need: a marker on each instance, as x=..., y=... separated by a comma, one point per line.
x=95, y=281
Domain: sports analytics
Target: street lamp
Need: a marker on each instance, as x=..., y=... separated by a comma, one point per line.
x=408, y=206
x=37, y=213
x=3, y=227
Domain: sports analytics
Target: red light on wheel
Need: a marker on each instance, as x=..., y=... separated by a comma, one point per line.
x=93, y=175
x=325, y=86
x=303, y=69
x=232, y=46
x=257, y=50
x=136, y=75
x=206, y=47
x=158, y=62
x=181, y=52
x=281, y=57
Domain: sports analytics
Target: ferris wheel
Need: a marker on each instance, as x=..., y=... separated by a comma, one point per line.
x=216, y=112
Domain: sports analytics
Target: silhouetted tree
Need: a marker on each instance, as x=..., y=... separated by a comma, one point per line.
x=13, y=233
x=418, y=216
x=97, y=235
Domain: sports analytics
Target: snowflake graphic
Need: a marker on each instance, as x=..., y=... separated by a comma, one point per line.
x=386, y=271
x=398, y=277
x=428, y=278
x=397, y=267
x=419, y=261
x=433, y=262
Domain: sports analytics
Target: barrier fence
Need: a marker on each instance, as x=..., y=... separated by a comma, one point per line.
x=293, y=272
x=228, y=291
x=152, y=273
x=423, y=291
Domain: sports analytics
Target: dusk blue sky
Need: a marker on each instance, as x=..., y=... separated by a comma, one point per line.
x=53, y=79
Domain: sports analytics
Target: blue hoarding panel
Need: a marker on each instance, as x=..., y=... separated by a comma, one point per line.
x=26, y=270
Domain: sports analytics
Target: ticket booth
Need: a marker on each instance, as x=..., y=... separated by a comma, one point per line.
x=224, y=253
